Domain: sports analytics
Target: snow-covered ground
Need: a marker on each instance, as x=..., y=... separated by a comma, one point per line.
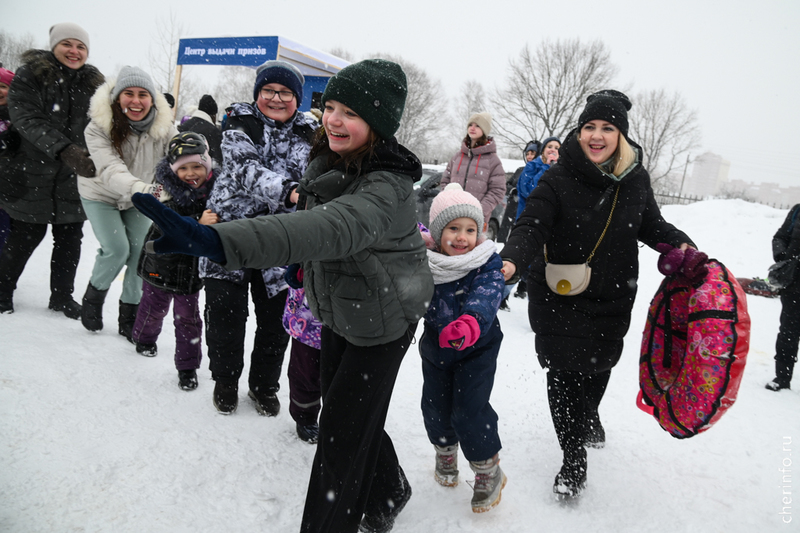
x=94, y=437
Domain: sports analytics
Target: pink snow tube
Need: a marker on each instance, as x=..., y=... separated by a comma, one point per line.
x=694, y=350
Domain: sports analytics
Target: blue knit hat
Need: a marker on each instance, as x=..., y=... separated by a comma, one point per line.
x=277, y=71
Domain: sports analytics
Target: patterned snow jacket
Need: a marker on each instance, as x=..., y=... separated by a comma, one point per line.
x=263, y=160
x=477, y=294
x=176, y=273
x=48, y=104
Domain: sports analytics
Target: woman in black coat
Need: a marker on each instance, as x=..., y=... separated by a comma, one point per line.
x=579, y=336
x=48, y=103
x=786, y=245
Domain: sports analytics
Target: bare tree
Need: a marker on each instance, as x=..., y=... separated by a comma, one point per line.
x=471, y=100
x=235, y=84
x=546, y=90
x=11, y=48
x=163, y=52
x=425, y=113
x=666, y=129
x=341, y=53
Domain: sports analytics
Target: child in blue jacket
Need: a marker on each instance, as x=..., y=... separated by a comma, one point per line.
x=460, y=344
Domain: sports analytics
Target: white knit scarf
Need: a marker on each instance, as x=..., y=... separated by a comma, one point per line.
x=447, y=268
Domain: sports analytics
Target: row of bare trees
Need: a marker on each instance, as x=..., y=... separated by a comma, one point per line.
x=543, y=94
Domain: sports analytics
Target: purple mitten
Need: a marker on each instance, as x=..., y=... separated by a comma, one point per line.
x=460, y=334
x=694, y=264
x=671, y=259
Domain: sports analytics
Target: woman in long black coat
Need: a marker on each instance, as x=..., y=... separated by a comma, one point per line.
x=48, y=103
x=579, y=337
x=786, y=245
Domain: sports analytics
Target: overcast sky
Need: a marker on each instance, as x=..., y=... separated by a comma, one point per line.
x=737, y=63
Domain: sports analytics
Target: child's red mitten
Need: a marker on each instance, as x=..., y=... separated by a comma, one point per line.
x=694, y=264
x=670, y=260
x=460, y=334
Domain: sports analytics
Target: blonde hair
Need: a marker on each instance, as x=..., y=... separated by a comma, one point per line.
x=624, y=157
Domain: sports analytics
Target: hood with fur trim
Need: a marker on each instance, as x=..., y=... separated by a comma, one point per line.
x=100, y=111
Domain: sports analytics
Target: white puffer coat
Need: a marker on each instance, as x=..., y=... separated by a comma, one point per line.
x=119, y=177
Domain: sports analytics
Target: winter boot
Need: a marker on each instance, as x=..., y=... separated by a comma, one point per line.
x=594, y=434
x=489, y=483
x=127, y=318
x=187, y=379
x=504, y=305
x=92, y=308
x=571, y=479
x=267, y=404
x=308, y=433
x=69, y=307
x=383, y=522
x=147, y=350
x=226, y=396
x=446, y=472
x=522, y=289
x=6, y=305
x=777, y=384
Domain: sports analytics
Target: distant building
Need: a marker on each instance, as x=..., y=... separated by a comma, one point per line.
x=709, y=176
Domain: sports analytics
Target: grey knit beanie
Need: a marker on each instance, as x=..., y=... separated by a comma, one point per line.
x=67, y=30
x=452, y=203
x=483, y=120
x=133, y=77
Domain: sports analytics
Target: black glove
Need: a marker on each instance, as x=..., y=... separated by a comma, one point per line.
x=78, y=160
x=182, y=235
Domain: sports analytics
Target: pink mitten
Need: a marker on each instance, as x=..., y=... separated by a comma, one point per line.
x=694, y=264
x=460, y=334
x=670, y=260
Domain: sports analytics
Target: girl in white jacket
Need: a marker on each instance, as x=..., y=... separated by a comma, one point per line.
x=130, y=128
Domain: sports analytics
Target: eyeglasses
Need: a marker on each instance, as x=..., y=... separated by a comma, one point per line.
x=284, y=96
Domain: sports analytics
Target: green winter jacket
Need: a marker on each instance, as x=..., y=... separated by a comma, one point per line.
x=366, y=272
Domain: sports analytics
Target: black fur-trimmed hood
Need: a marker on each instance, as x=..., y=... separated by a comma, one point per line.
x=181, y=193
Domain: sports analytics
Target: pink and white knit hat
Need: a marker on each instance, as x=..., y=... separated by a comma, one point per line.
x=452, y=203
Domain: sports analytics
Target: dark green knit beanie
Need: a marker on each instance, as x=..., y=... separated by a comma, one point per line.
x=375, y=89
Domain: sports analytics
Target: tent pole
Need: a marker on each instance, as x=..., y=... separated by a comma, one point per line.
x=176, y=88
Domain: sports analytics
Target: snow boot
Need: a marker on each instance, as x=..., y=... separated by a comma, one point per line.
x=308, y=433
x=127, y=318
x=594, y=434
x=489, y=483
x=571, y=479
x=446, y=472
x=267, y=404
x=147, y=350
x=92, y=308
x=383, y=522
x=187, y=379
x=69, y=307
x=6, y=305
x=504, y=305
x=226, y=396
x=777, y=384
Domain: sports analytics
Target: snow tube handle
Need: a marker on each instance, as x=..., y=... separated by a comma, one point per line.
x=643, y=406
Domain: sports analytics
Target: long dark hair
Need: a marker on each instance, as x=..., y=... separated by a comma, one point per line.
x=120, y=127
x=352, y=162
x=482, y=140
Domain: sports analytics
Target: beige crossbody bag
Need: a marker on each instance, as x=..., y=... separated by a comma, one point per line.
x=569, y=280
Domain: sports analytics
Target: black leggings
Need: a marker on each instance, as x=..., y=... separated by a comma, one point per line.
x=574, y=398
x=22, y=242
x=356, y=467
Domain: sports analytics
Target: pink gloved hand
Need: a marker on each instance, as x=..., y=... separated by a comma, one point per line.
x=694, y=264
x=460, y=334
x=670, y=260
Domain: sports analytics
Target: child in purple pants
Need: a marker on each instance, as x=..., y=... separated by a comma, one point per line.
x=186, y=178
x=305, y=390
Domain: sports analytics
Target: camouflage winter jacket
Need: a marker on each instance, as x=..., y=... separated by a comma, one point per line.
x=263, y=160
